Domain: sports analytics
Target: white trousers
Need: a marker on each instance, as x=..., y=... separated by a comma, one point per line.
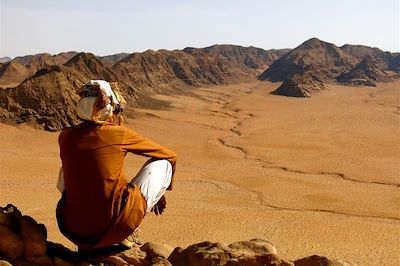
x=153, y=179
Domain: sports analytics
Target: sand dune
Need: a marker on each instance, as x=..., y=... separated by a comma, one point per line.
x=315, y=176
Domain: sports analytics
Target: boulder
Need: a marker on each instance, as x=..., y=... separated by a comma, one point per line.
x=253, y=252
x=316, y=260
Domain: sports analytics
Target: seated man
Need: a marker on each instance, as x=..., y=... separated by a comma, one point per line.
x=98, y=207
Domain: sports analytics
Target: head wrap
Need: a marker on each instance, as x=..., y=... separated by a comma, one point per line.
x=98, y=101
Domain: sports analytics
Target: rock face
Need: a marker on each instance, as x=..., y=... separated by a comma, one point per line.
x=23, y=242
x=299, y=86
x=366, y=73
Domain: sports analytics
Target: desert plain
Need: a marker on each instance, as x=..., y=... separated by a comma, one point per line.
x=315, y=175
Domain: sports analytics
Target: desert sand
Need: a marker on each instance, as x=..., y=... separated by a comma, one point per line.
x=314, y=176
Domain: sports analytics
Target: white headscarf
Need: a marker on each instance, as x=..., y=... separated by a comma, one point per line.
x=86, y=107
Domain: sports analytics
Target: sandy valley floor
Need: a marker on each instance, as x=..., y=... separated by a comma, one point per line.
x=315, y=176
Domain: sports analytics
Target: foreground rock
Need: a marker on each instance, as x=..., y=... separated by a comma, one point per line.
x=23, y=242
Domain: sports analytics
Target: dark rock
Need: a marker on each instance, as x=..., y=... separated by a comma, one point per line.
x=11, y=244
x=366, y=73
x=299, y=86
x=316, y=260
x=254, y=252
x=34, y=236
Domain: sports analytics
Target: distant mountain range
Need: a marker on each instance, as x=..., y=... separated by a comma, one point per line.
x=309, y=66
x=4, y=59
x=40, y=89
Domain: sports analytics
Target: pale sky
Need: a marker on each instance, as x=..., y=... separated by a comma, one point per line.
x=106, y=27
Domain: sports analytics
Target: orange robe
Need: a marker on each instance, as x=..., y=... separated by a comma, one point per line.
x=89, y=212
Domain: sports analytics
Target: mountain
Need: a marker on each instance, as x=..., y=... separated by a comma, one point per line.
x=365, y=73
x=44, y=86
x=88, y=65
x=12, y=73
x=4, y=59
x=112, y=59
x=18, y=69
x=38, y=101
x=383, y=60
x=325, y=62
x=312, y=55
x=251, y=57
x=218, y=64
x=48, y=98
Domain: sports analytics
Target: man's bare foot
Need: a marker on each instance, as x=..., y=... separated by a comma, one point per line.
x=133, y=239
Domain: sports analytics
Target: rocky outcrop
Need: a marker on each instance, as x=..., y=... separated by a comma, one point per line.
x=23, y=242
x=253, y=252
x=316, y=260
x=299, y=86
x=366, y=73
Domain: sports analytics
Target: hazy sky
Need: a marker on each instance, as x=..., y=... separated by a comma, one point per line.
x=105, y=27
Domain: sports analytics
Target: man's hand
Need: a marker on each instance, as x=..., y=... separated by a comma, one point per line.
x=158, y=209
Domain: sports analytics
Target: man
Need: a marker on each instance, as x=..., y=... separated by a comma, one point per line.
x=99, y=207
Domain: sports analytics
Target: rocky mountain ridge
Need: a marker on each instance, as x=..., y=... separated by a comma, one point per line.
x=49, y=82
x=326, y=63
x=4, y=59
x=14, y=71
x=47, y=98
